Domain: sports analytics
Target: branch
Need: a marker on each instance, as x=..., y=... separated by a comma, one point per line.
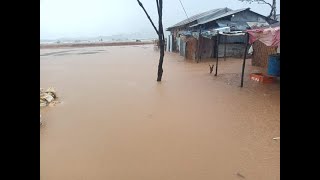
x=140, y=4
x=271, y=13
x=160, y=10
x=264, y=2
x=257, y=1
x=158, y=6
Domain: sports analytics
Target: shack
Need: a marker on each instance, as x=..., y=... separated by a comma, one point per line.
x=265, y=42
x=195, y=37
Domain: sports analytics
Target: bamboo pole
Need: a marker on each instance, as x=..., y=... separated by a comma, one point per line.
x=244, y=58
x=217, y=52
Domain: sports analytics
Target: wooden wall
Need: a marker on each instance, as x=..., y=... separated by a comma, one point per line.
x=261, y=54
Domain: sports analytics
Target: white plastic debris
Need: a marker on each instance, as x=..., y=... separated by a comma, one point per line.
x=48, y=97
x=43, y=103
x=276, y=138
x=250, y=51
x=51, y=92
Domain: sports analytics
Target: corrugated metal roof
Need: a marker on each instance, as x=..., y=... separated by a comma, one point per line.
x=235, y=26
x=214, y=15
x=223, y=15
x=224, y=12
x=277, y=24
x=213, y=12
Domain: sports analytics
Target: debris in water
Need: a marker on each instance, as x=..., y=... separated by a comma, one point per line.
x=211, y=68
x=276, y=138
x=43, y=103
x=53, y=103
x=48, y=97
x=51, y=92
x=240, y=175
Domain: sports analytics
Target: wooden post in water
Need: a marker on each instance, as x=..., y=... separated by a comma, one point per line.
x=213, y=44
x=199, y=47
x=244, y=58
x=225, y=47
x=217, y=51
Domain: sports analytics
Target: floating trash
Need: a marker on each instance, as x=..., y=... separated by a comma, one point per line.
x=43, y=103
x=47, y=98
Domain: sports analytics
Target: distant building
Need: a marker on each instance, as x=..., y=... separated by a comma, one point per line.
x=195, y=37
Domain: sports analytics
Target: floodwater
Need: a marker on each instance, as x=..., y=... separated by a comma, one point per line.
x=116, y=122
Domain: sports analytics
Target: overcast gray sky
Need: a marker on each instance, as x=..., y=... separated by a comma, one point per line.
x=90, y=18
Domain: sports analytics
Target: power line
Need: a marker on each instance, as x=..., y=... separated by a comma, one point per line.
x=184, y=9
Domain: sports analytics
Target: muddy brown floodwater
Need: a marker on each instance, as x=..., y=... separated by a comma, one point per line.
x=116, y=122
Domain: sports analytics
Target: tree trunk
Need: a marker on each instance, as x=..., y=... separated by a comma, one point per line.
x=161, y=41
x=160, y=70
x=273, y=12
x=160, y=34
x=274, y=9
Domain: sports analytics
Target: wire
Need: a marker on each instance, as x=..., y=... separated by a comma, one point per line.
x=184, y=9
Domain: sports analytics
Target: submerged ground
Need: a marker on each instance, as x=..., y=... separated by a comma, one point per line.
x=116, y=122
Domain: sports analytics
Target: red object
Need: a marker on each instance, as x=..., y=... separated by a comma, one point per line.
x=259, y=77
x=268, y=36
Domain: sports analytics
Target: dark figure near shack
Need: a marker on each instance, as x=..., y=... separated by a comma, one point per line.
x=211, y=68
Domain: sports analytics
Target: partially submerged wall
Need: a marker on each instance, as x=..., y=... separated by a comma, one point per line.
x=206, y=48
x=191, y=48
x=232, y=50
x=261, y=54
